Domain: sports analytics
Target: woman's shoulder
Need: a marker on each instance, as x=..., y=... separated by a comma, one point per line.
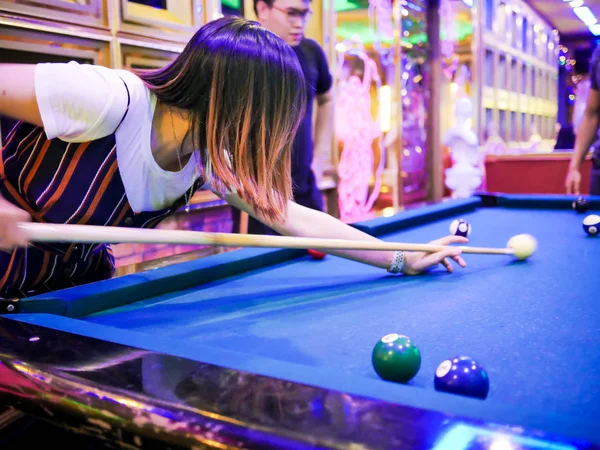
x=91, y=82
x=80, y=102
x=135, y=88
x=140, y=101
x=131, y=79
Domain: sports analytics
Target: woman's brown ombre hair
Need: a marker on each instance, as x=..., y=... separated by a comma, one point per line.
x=245, y=91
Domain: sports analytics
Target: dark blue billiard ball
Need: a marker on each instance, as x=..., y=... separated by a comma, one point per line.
x=463, y=376
x=580, y=205
x=591, y=224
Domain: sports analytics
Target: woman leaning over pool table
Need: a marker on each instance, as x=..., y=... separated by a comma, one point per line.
x=110, y=147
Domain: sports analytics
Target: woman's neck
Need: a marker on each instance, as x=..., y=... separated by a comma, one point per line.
x=169, y=136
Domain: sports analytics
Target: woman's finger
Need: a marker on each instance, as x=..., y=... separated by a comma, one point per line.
x=446, y=264
x=460, y=261
x=436, y=258
x=450, y=239
x=16, y=237
x=11, y=235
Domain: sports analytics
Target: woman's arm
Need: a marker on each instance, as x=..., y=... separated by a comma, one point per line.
x=584, y=138
x=306, y=222
x=17, y=93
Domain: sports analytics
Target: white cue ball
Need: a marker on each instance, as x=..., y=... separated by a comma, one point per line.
x=523, y=245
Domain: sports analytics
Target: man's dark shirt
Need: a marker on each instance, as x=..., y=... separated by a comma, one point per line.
x=318, y=81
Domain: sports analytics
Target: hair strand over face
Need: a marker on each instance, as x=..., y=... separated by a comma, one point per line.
x=245, y=92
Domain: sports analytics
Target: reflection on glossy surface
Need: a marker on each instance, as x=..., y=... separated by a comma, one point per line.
x=140, y=398
x=466, y=437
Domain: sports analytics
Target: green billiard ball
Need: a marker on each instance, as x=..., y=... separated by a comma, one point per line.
x=396, y=358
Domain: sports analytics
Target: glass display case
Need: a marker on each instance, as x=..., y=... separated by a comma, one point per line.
x=517, y=52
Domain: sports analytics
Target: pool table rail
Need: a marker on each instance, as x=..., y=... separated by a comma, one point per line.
x=99, y=296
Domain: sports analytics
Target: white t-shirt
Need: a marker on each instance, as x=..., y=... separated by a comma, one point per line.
x=82, y=102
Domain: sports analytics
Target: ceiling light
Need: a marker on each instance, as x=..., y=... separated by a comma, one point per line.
x=595, y=29
x=585, y=15
x=576, y=3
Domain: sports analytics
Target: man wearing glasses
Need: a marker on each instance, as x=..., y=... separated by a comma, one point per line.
x=288, y=19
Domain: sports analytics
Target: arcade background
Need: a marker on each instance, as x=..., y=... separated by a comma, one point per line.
x=522, y=64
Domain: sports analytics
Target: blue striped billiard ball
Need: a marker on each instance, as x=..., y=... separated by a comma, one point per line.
x=460, y=227
x=591, y=224
x=463, y=376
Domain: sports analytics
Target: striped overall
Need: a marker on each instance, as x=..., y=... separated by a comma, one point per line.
x=68, y=183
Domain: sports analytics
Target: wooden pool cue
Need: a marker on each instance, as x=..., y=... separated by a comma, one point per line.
x=93, y=234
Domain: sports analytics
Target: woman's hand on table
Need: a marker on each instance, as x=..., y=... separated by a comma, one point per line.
x=417, y=262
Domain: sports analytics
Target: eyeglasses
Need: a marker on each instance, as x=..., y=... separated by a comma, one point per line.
x=293, y=14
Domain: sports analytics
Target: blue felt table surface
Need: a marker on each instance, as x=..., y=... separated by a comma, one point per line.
x=534, y=325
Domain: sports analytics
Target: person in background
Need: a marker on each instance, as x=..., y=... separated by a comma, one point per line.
x=288, y=20
x=586, y=135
